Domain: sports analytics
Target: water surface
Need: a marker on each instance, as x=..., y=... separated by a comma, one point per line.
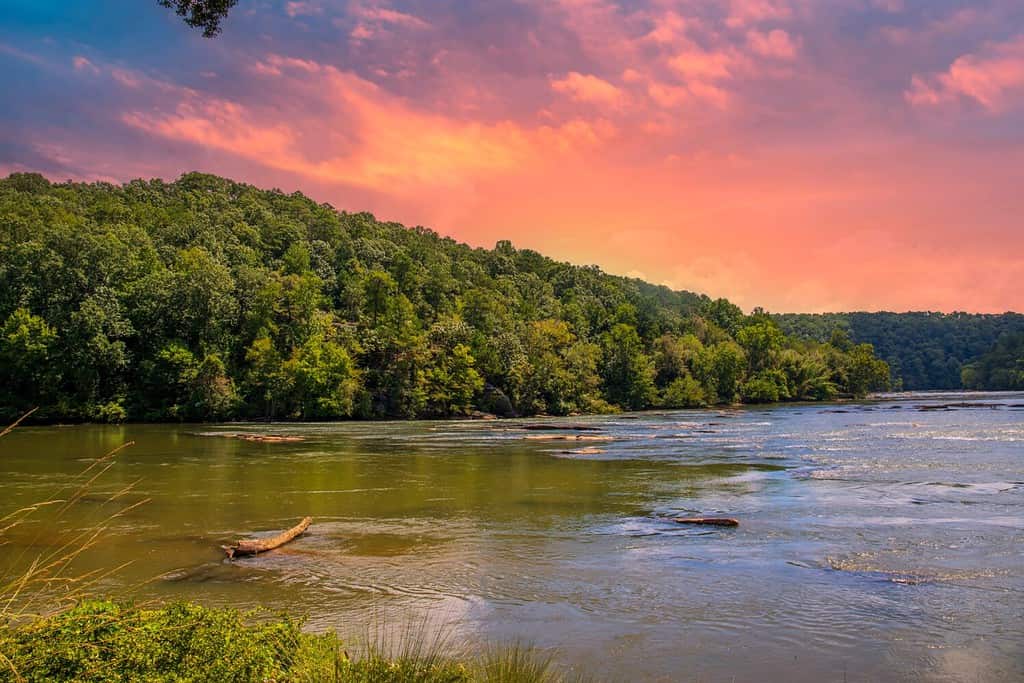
x=878, y=541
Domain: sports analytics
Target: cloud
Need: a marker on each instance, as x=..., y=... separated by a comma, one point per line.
x=703, y=65
x=668, y=28
x=297, y=8
x=747, y=12
x=700, y=142
x=668, y=96
x=385, y=15
x=386, y=144
x=82, y=64
x=775, y=43
x=992, y=77
x=588, y=88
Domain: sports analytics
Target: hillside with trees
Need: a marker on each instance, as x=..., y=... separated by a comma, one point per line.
x=1001, y=369
x=206, y=299
x=924, y=350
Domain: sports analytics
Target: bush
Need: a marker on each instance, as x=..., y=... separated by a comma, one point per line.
x=684, y=392
x=108, y=641
x=101, y=641
x=112, y=412
x=760, y=390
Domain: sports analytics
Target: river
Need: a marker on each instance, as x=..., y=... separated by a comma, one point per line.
x=881, y=540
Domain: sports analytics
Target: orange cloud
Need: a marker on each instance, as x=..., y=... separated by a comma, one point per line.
x=388, y=145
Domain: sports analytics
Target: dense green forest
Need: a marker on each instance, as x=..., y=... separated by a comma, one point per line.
x=924, y=350
x=1000, y=368
x=208, y=299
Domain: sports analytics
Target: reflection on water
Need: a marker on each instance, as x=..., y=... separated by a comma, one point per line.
x=878, y=541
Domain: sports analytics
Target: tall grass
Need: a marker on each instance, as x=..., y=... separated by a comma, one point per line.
x=33, y=586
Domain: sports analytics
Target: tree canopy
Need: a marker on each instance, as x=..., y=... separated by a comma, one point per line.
x=207, y=299
x=924, y=350
x=1002, y=368
x=203, y=14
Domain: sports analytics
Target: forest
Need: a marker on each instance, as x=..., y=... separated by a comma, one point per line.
x=924, y=350
x=207, y=299
x=1002, y=368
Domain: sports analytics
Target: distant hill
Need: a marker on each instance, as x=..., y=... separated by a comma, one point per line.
x=924, y=350
x=208, y=299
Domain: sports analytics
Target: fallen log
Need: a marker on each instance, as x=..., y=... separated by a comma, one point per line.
x=714, y=521
x=258, y=438
x=262, y=545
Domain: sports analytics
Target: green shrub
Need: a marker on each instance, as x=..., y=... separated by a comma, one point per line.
x=684, y=392
x=107, y=641
x=101, y=641
x=112, y=412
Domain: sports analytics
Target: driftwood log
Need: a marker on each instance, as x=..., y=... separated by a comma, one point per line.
x=262, y=545
x=714, y=521
x=258, y=438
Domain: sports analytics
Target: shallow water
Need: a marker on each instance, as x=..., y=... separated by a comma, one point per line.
x=878, y=541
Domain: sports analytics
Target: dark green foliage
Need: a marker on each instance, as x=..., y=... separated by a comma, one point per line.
x=102, y=641
x=1002, y=368
x=206, y=299
x=106, y=641
x=923, y=350
x=204, y=14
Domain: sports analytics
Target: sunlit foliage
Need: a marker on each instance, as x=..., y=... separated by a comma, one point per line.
x=206, y=299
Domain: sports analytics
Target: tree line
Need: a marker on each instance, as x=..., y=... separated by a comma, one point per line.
x=924, y=350
x=1001, y=369
x=207, y=299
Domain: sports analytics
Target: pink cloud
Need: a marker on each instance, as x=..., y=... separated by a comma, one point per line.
x=699, y=64
x=747, y=12
x=588, y=88
x=386, y=15
x=668, y=96
x=775, y=43
x=668, y=28
x=297, y=8
x=82, y=64
x=993, y=77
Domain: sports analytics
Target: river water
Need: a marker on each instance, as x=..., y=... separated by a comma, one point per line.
x=882, y=540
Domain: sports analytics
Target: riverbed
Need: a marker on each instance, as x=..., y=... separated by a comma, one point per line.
x=880, y=540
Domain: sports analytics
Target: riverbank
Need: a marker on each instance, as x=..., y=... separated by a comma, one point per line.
x=33, y=418
x=105, y=641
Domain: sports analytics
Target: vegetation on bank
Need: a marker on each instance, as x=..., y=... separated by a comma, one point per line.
x=924, y=350
x=1002, y=368
x=103, y=641
x=206, y=299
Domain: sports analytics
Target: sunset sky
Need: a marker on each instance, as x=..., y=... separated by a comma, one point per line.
x=801, y=155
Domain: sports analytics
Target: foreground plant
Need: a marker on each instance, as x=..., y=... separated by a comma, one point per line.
x=104, y=641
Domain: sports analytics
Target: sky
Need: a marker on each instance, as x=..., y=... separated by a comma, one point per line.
x=799, y=155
